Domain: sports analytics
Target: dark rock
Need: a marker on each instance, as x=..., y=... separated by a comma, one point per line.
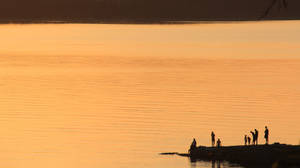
x=255, y=155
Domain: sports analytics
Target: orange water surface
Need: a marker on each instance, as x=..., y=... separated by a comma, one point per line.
x=114, y=96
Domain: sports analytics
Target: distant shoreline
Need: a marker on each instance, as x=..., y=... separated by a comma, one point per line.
x=95, y=21
x=145, y=11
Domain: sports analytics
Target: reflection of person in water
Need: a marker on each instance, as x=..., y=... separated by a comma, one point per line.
x=193, y=164
x=213, y=164
x=219, y=164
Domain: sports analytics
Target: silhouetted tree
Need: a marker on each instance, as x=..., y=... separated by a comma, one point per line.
x=281, y=4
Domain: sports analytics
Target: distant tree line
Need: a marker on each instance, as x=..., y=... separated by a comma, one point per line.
x=140, y=10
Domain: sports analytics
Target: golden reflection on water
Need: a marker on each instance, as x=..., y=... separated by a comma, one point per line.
x=116, y=95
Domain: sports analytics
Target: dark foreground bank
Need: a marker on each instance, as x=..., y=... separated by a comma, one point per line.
x=278, y=155
x=145, y=11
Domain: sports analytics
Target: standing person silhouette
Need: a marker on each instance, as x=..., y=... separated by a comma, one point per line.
x=193, y=145
x=267, y=135
x=253, y=137
x=245, y=139
x=256, y=136
x=218, y=143
x=213, y=141
x=249, y=140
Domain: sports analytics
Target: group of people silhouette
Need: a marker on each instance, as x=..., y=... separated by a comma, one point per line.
x=247, y=139
x=254, y=134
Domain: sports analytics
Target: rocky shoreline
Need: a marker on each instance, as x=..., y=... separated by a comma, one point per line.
x=275, y=155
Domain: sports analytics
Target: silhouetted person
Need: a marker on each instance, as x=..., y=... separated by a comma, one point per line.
x=253, y=137
x=267, y=134
x=256, y=136
x=245, y=139
x=213, y=141
x=249, y=140
x=193, y=145
x=218, y=143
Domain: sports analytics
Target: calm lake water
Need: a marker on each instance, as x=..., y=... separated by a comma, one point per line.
x=98, y=95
